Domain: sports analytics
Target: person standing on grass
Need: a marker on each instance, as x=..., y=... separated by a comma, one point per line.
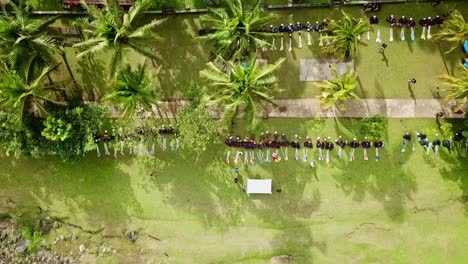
x=290, y=32
x=439, y=115
x=97, y=138
x=282, y=29
x=309, y=28
x=374, y=20
x=329, y=146
x=424, y=25
x=320, y=146
x=353, y=144
x=406, y=139
x=439, y=21
x=392, y=21
x=284, y=146
x=105, y=139
x=273, y=30
x=402, y=22
x=307, y=145
x=411, y=81
x=378, y=144
x=412, y=26
x=121, y=138
x=299, y=28
x=365, y=145
x=447, y=144
x=341, y=145
x=382, y=49
x=229, y=143
x=436, y=145
x=297, y=146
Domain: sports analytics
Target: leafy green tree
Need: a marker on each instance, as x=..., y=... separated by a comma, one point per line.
x=447, y=131
x=113, y=29
x=197, y=129
x=237, y=30
x=56, y=129
x=374, y=127
x=68, y=132
x=455, y=30
x=338, y=90
x=18, y=94
x=457, y=86
x=344, y=36
x=245, y=86
x=316, y=124
x=132, y=89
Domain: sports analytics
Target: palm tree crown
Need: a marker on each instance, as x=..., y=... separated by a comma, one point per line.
x=131, y=90
x=22, y=96
x=238, y=30
x=338, y=90
x=455, y=30
x=24, y=42
x=113, y=29
x=344, y=36
x=457, y=86
x=241, y=85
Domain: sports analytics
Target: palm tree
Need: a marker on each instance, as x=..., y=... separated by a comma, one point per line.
x=344, y=36
x=238, y=30
x=454, y=30
x=240, y=85
x=21, y=95
x=132, y=89
x=338, y=90
x=113, y=29
x=457, y=86
x=24, y=43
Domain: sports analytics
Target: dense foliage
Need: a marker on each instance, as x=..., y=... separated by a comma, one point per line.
x=66, y=133
x=457, y=86
x=374, y=127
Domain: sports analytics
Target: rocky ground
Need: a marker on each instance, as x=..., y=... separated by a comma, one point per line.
x=13, y=248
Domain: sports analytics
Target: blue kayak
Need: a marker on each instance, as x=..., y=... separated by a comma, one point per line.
x=465, y=45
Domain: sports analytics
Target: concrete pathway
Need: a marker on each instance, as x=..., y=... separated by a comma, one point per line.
x=394, y=108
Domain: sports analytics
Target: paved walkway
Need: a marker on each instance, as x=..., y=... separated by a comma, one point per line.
x=395, y=108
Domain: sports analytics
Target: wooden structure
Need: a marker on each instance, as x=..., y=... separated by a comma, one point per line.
x=70, y=3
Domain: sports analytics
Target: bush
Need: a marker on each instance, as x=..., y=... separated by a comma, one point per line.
x=374, y=127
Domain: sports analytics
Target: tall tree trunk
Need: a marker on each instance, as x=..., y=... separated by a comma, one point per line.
x=65, y=60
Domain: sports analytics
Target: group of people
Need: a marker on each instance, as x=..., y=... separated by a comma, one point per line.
x=320, y=26
x=425, y=23
x=428, y=145
x=274, y=147
x=141, y=141
x=283, y=29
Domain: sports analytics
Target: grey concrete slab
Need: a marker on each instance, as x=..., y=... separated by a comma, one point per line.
x=319, y=70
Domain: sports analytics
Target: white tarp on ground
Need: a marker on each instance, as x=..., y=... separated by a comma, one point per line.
x=259, y=186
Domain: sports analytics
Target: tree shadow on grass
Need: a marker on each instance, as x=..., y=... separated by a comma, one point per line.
x=384, y=181
x=456, y=169
x=93, y=77
x=91, y=192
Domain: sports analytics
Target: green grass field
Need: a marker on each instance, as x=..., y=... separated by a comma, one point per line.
x=406, y=208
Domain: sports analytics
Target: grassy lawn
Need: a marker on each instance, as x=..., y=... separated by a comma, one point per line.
x=182, y=57
x=406, y=208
